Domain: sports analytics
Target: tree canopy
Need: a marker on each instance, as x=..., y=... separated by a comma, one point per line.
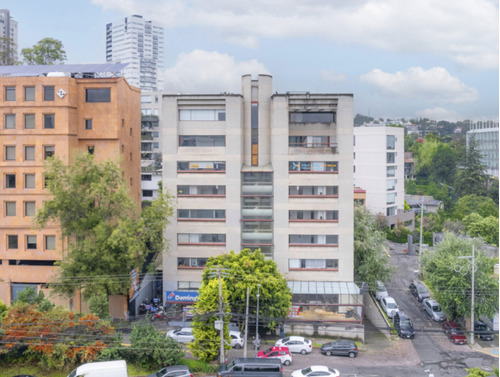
x=453, y=289
x=370, y=259
x=106, y=235
x=45, y=51
x=471, y=177
x=248, y=269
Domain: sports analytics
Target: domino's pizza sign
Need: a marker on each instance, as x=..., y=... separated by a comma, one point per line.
x=174, y=297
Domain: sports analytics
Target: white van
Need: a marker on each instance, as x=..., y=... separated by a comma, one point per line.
x=101, y=369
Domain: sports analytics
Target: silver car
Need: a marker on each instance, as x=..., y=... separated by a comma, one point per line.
x=434, y=310
x=389, y=305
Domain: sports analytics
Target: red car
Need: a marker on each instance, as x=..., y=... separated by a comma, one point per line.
x=456, y=335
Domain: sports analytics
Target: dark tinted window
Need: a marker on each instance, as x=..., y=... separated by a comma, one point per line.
x=98, y=95
x=262, y=368
x=48, y=93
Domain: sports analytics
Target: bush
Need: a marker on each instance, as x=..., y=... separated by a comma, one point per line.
x=99, y=305
x=197, y=366
x=151, y=349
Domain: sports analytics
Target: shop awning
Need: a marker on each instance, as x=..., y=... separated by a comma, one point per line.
x=324, y=287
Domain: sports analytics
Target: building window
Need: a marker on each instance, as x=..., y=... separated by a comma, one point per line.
x=311, y=141
x=146, y=177
x=10, y=208
x=188, y=285
x=313, y=166
x=48, y=121
x=29, y=181
x=202, y=141
x=321, y=191
x=91, y=149
x=50, y=242
x=98, y=95
x=201, y=214
x=29, y=208
x=391, y=157
x=10, y=121
x=391, y=198
x=130, y=156
x=312, y=117
x=88, y=124
x=48, y=151
x=48, y=93
x=391, y=184
x=29, y=121
x=313, y=264
x=311, y=239
x=146, y=99
x=131, y=181
x=29, y=153
x=10, y=93
x=29, y=93
x=31, y=242
x=391, y=211
x=130, y=132
x=12, y=242
x=156, y=145
x=10, y=153
x=123, y=148
x=391, y=171
x=202, y=114
x=201, y=238
x=10, y=181
x=294, y=215
x=391, y=142
x=184, y=190
x=147, y=193
x=191, y=262
x=218, y=166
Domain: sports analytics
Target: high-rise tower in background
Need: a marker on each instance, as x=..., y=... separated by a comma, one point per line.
x=139, y=43
x=8, y=35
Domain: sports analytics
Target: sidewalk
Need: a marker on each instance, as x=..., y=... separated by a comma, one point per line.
x=492, y=351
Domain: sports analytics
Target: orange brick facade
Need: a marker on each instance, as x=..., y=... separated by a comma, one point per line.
x=44, y=115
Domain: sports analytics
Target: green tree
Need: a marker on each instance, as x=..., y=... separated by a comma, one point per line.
x=206, y=343
x=99, y=305
x=481, y=205
x=485, y=227
x=106, y=236
x=443, y=164
x=493, y=189
x=370, y=259
x=29, y=296
x=411, y=187
x=45, y=51
x=452, y=289
x=477, y=372
x=471, y=177
x=151, y=349
x=7, y=50
x=247, y=269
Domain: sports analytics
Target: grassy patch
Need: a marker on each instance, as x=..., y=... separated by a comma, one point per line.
x=197, y=366
x=8, y=370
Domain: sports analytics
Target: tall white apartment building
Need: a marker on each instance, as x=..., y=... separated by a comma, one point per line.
x=379, y=168
x=139, y=43
x=261, y=170
x=485, y=133
x=8, y=29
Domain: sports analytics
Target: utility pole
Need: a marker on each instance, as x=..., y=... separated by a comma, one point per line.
x=221, y=317
x=464, y=270
x=257, y=341
x=421, y=238
x=246, y=325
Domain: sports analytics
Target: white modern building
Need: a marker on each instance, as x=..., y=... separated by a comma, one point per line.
x=379, y=169
x=139, y=43
x=262, y=170
x=486, y=136
x=8, y=29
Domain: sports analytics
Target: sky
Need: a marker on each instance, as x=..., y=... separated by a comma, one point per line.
x=435, y=59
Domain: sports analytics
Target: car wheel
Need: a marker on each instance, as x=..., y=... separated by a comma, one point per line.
x=303, y=352
x=328, y=353
x=352, y=354
x=238, y=346
x=287, y=362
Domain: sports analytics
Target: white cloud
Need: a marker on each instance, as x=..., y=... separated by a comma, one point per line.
x=332, y=76
x=438, y=113
x=209, y=72
x=435, y=85
x=465, y=31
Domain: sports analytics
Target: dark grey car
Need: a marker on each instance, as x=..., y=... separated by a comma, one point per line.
x=482, y=331
x=340, y=347
x=173, y=371
x=418, y=290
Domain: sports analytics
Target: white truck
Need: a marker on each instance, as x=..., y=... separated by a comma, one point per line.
x=101, y=369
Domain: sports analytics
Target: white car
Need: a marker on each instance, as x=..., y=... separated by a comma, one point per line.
x=316, y=370
x=380, y=292
x=295, y=344
x=389, y=305
x=184, y=335
x=236, y=339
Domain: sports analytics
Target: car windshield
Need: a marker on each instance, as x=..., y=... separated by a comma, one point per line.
x=306, y=371
x=161, y=372
x=406, y=323
x=284, y=340
x=267, y=351
x=436, y=308
x=392, y=305
x=421, y=289
x=481, y=327
x=456, y=331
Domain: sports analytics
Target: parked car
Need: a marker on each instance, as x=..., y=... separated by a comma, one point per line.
x=403, y=325
x=483, y=331
x=183, y=335
x=380, y=291
x=434, y=310
x=295, y=344
x=237, y=340
x=389, y=305
x=418, y=290
x=173, y=371
x=251, y=367
x=282, y=353
x=454, y=332
x=316, y=370
x=340, y=347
